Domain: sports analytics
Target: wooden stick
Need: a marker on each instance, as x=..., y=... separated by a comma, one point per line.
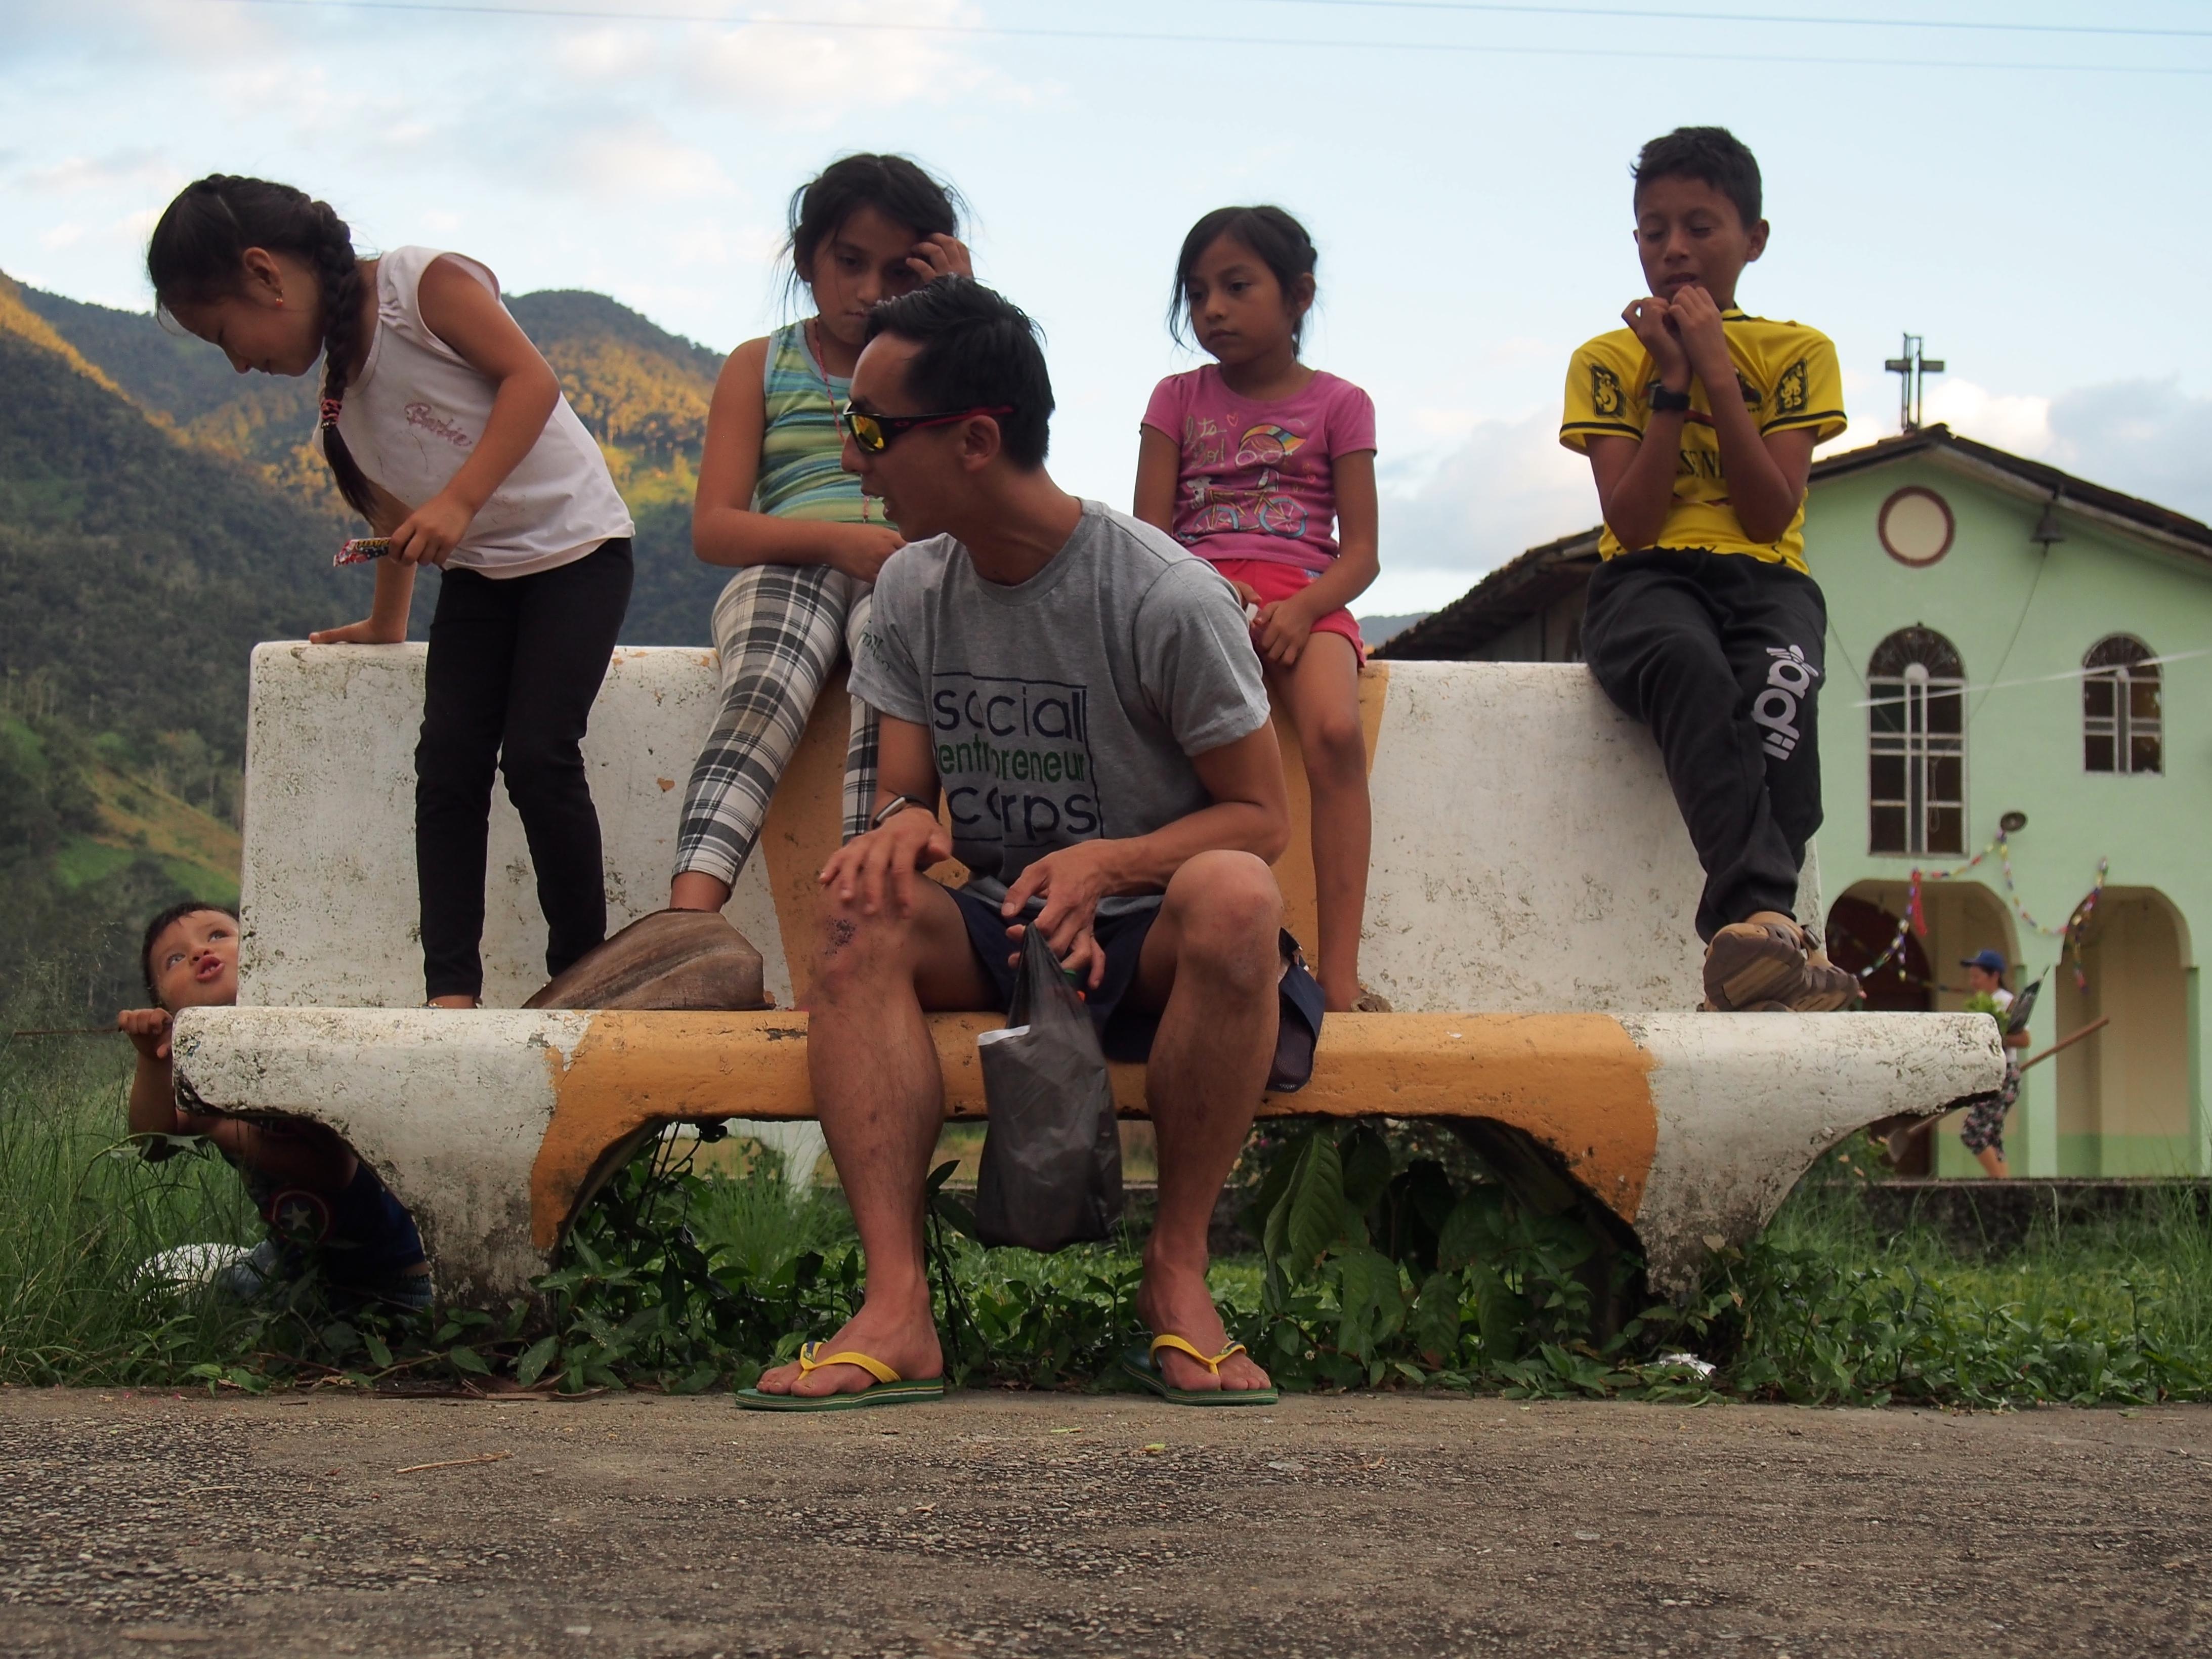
x=2090, y=1030
x=453, y=1462
x=71, y=1030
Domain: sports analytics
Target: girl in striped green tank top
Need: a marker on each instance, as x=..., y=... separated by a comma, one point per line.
x=775, y=502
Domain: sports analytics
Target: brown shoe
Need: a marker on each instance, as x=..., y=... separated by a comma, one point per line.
x=1825, y=988
x=1753, y=962
x=671, y=959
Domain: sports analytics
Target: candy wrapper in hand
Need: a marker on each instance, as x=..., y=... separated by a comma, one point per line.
x=361, y=549
x=1052, y=1156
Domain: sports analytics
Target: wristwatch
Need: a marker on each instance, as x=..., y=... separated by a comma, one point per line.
x=1664, y=402
x=891, y=808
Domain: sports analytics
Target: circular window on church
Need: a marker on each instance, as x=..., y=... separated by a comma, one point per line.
x=1916, y=527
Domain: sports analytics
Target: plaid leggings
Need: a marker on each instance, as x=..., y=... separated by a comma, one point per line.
x=780, y=629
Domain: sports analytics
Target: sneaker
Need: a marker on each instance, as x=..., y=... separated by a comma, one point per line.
x=1750, y=963
x=1825, y=988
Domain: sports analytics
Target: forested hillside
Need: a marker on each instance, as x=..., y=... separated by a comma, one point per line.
x=159, y=514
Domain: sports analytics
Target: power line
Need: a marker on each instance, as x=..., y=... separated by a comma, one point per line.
x=1486, y=8
x=1241, y=42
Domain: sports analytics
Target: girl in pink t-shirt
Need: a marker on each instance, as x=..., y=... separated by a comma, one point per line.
x=1266, y=468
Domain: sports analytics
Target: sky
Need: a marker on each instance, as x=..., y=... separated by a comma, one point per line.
x=2015, y=186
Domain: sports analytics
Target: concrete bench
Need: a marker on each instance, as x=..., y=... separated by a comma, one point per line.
x=1531, y=894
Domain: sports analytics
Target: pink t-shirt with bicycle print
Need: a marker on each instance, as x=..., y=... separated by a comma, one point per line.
x=1256, y=480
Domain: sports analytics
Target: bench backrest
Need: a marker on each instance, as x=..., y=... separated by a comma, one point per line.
x=1528, y=856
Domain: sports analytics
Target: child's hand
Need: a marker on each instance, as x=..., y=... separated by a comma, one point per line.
x=1280, y=632
x=1696, y=321
x=148, y=1029
x=1650, y=320
x=430, y=533
x=861, y=552
x=941, y=255
x=1247, y=595
x=368, y=632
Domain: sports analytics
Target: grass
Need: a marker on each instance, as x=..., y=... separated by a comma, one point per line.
x=680, y=1281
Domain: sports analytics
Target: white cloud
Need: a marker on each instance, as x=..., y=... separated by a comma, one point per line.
x=75, y=175
x=1506, y=487
x=2018, y=422
x=2149, y=438
x=605, y=54
x=61, y=236
x=817, y=74
x=642, y=161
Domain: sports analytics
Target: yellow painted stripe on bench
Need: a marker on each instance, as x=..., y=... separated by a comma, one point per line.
x=1576, y=1082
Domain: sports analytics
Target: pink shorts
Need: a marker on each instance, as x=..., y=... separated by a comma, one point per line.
x=1273, y=581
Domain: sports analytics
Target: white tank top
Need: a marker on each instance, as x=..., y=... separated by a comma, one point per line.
x=417, y=410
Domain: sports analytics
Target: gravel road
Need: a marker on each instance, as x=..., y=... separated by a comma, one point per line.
x=1005, y=1525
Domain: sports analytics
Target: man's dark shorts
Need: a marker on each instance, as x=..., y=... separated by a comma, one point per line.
x=1125, y=1031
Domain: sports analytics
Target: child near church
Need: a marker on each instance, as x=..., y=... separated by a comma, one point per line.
x=447, y=430
x=1699, y=419
x=1265, y=467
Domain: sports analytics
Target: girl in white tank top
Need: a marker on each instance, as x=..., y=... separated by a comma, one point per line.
x=447, y=430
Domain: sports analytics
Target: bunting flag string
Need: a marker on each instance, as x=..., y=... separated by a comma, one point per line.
x=2067, y=933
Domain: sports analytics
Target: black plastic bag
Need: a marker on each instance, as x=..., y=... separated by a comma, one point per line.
x=1051, y=1155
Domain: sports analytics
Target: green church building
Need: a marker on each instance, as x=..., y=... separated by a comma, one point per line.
x=2018, y=666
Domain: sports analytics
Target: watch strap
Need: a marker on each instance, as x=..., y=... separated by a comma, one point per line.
x=1668, y=403
x=897, y=803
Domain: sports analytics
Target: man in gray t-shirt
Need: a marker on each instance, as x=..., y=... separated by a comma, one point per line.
x=1064, y=708
x=1084, y=696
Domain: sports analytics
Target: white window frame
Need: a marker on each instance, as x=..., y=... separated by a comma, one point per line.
x=1916, y=688
x=2122, y=726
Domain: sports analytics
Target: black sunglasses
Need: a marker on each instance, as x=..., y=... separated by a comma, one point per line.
x=871, y=434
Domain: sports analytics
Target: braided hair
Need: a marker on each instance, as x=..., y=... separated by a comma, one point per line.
x=198, y=251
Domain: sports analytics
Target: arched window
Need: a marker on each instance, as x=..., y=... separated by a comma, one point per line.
x=2121, y=727
x=1916, y=745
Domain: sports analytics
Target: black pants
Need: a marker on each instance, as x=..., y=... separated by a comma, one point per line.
x=514, y=664
x=1721, y=655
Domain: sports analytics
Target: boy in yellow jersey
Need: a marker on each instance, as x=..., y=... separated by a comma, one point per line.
x=1699, y=422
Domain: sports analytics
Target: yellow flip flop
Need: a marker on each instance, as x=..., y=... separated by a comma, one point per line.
x=889, y=1388
x=1144, y=1367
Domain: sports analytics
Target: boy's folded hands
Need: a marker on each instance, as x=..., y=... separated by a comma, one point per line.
x=1685, y=337
x=1695, y=318
x=1647, y=319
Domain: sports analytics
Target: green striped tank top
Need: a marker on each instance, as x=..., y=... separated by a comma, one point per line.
x=800, y=477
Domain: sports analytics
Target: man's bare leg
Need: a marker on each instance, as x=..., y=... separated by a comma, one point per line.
x=1212, y=959
x=881, y=1102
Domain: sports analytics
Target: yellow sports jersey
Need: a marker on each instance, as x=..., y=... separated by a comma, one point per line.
x=1789, y=378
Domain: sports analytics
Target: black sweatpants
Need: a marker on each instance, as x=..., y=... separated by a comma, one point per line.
x=1721, y=655
x=514, y=664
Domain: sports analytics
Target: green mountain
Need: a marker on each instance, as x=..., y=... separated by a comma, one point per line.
x=641, y=391
x=161, y=514
x=136, y=571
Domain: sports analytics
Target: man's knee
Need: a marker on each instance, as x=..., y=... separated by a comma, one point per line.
x=852, y=947
x=1228, y=909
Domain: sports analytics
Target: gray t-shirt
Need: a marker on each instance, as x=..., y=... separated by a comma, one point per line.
x=1065, y=709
